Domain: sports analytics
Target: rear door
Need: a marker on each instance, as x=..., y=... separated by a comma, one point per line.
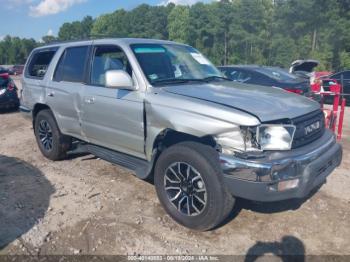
x=64, y=92
x=112, y=118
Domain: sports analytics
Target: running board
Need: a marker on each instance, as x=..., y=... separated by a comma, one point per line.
x=139, y=166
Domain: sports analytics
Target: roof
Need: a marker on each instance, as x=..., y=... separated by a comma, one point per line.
x=125, y=41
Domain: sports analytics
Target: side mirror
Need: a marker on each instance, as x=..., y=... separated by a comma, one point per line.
x=119, y=79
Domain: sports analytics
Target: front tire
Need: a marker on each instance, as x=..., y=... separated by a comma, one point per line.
x=190, y=186
x=52, y=144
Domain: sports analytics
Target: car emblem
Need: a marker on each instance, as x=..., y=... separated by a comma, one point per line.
x=313, y=127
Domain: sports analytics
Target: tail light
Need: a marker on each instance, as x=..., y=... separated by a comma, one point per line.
x=295, y=91
x=5, y=75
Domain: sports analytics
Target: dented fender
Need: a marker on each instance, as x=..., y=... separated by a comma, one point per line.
x=198, y=118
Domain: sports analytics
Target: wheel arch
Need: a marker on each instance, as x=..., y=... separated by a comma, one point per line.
x=169, y=137
x=37, y=108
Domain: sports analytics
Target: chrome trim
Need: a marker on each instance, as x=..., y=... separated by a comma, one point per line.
x=24, y=109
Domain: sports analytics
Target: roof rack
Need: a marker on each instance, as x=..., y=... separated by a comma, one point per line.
x=91, y=37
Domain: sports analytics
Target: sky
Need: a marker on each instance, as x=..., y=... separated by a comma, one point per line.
x=37, y=18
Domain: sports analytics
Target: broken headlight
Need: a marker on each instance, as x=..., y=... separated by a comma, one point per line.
x=238, y=141
x=255, y=139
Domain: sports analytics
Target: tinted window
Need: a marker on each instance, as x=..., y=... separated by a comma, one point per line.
x=71, y=67
x=238, y=75
x=232, y=74
x=40, y=63
x=107, y=58
x=277, y=73
x=345, y=75
x=2, y=70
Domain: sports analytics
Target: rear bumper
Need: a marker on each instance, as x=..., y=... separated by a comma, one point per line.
x=7, y=102
x=260, y=180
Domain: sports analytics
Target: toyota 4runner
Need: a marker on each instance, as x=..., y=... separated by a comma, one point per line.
x=164, y=111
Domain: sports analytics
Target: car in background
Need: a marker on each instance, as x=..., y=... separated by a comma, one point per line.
x=306, y=69
x=303, y=68
x=3, y=71
x=8, y=93
x=342, y=78
x=17, y=70
x=267, y=76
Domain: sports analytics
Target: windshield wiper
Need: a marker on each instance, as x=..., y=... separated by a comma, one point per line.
x=176, y=81
x=214, y=78
x=188, y=80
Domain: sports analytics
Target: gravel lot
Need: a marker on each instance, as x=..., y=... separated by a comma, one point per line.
x=84, y=205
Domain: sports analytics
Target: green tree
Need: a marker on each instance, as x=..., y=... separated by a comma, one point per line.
x=178, y=24
x=76, y=30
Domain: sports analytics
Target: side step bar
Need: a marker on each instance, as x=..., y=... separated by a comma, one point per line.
x=140, y=166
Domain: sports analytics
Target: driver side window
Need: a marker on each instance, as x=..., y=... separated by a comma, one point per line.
x=107, y=58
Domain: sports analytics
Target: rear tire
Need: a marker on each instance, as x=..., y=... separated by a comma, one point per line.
x=52, y=144
x=189, y=185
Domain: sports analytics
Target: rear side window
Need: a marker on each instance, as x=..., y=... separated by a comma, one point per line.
x=40, y=63
x=72, y=65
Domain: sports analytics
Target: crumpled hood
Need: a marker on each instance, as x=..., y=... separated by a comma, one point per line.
x=266, y=103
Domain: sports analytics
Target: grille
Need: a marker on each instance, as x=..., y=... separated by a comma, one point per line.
x=300, y=137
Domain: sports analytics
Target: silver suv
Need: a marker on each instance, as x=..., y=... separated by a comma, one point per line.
x=164, y=111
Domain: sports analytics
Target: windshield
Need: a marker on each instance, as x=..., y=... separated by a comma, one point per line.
x=277, y=73
x=172, y=63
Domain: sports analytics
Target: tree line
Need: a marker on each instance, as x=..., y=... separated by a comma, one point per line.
x=265, y=32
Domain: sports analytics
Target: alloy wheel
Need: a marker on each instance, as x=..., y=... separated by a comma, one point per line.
x=45, y=135
x=185, y=188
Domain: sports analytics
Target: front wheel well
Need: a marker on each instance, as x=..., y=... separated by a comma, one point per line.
x=171, y=137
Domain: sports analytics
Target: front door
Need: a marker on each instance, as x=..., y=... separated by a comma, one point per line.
x=112, y=118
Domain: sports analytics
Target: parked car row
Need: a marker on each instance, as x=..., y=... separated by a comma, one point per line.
x=8, y=92
x=14, y=70
x=267, y=76
x=301, y=78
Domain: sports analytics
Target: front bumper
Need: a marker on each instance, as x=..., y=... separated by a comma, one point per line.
x=259, y=179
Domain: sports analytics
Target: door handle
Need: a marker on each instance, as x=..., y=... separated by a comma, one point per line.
x=90, y=100
x=51, y=94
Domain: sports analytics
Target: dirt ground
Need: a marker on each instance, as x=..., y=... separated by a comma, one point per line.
x=84, y=205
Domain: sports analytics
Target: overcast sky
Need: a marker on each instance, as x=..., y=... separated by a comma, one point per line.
x=36, y=18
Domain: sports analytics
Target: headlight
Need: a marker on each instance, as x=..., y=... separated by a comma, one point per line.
x=2, y=91
x=275, y=137
x=242, y=139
